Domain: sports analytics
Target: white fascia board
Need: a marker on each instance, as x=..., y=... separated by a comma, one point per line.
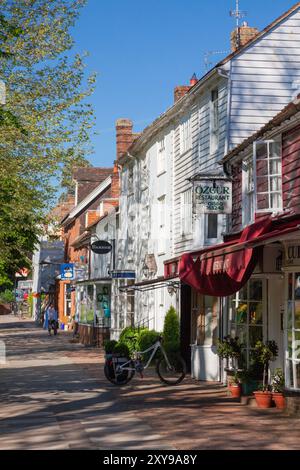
x=87, y=200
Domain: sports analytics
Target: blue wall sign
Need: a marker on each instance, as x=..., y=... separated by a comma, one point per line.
x=123, y=274
x=67, y=272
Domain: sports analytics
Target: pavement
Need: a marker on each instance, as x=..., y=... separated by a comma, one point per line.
x=54, y=395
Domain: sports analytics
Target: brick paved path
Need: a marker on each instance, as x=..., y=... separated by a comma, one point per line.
x=54, y=396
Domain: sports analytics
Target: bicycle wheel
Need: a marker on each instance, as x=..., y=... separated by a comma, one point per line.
x=121, y=378
x=171, y=375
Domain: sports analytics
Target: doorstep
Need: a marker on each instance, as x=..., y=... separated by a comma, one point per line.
x=248, y=401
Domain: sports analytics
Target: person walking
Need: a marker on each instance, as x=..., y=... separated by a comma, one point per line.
x=52, y=319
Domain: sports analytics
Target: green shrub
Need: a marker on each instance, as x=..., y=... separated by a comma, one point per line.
x=146, y=339
x=126, y=337
x=171, y=333
x=109, y=346
x=121, y=349
x=7, y=296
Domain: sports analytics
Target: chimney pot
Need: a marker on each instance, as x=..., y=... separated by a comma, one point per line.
x=193, y=80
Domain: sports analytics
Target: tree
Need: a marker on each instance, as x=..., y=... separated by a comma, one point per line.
x=44, y=89
x=171, y=332
x=46, y=123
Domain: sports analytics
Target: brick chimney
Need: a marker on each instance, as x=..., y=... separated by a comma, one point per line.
x=125, y=136
x=182, y=90
x=241, y=36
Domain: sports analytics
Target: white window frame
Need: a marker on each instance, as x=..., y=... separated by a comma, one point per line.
x=214, y=122
x=185, y=134
x=186, y=212
x=212, y=241
x=277, y=175
x=248, y=192
x=161, y=156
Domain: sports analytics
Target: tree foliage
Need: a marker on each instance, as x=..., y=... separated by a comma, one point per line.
x=46, y=123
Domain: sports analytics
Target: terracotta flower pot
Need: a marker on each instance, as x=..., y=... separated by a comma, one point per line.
x=263, y=399
x=235, y=390
x=279, y=400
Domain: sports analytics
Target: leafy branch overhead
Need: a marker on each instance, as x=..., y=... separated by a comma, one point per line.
x=47, y=121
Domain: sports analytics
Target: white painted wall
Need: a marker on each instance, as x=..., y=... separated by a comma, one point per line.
x=265, y=78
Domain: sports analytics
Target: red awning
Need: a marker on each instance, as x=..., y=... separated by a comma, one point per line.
x=226, y=269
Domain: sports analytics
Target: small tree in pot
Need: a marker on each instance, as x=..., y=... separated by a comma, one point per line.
x=231, y=348
x=264, y=353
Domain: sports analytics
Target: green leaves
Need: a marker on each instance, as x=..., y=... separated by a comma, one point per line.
x=46, y=124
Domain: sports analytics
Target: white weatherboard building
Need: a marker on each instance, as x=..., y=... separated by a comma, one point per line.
x=157, y=221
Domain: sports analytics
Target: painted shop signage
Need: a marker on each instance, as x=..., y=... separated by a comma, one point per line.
x=101, y=247
x=213, y=197
x=292, y=253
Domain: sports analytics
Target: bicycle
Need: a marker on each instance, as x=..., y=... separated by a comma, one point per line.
x=119, y=370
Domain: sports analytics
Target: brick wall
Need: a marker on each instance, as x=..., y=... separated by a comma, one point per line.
x=291, y=169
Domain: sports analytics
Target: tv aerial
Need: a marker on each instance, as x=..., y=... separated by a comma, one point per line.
x=238, y=15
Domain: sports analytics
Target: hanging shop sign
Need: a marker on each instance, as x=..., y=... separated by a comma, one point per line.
x=213, y=197
x=67, y=272
x=292, y=253
x=101, y=247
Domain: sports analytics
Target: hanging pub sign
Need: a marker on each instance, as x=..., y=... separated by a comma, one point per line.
x=213, y=196
x=101, y=247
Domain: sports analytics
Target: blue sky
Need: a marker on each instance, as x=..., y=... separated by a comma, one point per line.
x=142, y=49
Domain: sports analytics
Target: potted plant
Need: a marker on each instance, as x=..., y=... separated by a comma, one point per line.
x=234, y=386
x=277, y=388
x=264, y=353
x=231, y=348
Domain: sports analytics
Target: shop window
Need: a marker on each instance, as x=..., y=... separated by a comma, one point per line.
x=68, y=300
x=292, y=332
x=103, y=313
x=204, y=320
x=268, y=176
x=246, y=317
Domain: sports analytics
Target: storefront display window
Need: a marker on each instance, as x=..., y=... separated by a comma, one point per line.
x=292, y=328
x=204, y=320
x=246, y=316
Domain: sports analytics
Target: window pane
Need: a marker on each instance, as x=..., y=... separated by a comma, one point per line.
x=297, y=315
x=241, y=313
x=275, y=167
x=276, y=201
x=297, y=286
x=290, y=280
x=290, y=315
x=255, y=313
x=291, y=374
x=262, y=201
x=275, y=150
x=256, y=290
x=262, y=183
x=297, y=345
x=262, y=167
x=261, y=150
x=212, y=226
x=255, y=334
x=275, y=183
x=241, y=332
x=243, y=293
x=290, y=343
